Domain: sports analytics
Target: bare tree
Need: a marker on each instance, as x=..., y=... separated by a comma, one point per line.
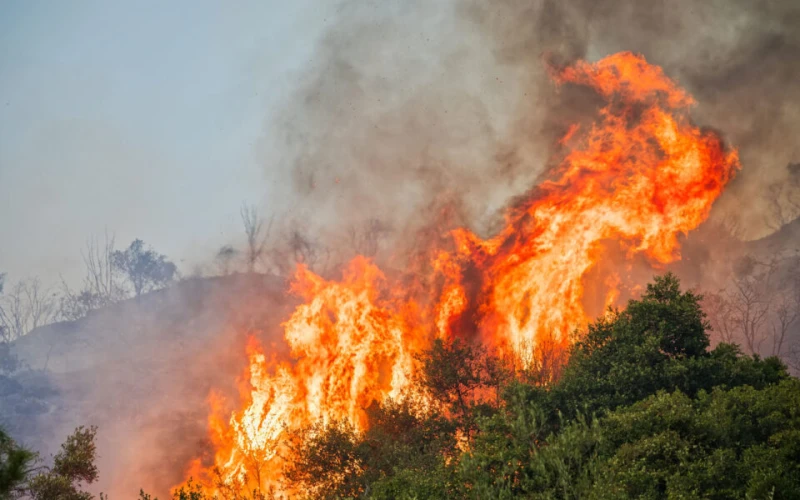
x=8, y=361
x=13, y=313
x=306, y=251
x=102, y=284
x=303, y=250
x=41, y=302
x=366, y=240
x=718, y=309
x=786, y=315
x=294, y=247
x=75, y=304
x=762, y=303
x=749, y=308
x=101, y=277
x=793, y=357
x=27, y=306
x=256, y=235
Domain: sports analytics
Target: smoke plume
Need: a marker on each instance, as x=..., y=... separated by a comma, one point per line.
x=409, y=105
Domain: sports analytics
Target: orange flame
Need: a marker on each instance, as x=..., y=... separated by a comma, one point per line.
x=642, y=175
x=351, y=346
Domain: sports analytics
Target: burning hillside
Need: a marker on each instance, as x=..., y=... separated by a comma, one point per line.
x=635, y=179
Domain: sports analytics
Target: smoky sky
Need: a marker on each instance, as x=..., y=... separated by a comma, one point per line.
x=157, y=122
x=406, y=104
x=398, y=109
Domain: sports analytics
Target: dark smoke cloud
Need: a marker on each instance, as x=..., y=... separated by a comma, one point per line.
x=400, y=107
x=408, y=103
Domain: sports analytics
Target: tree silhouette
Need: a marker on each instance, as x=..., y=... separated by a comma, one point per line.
x=145, y=269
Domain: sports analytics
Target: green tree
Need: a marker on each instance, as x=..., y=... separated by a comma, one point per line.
x=643, y=409
x=15, y=462
x=337, y=462
x=146, y=269
x=545, y=440
x=73, y=466
x=658, y=342
x=193, y=491
x=729, y=443
x=737, y=443
x=464, y=379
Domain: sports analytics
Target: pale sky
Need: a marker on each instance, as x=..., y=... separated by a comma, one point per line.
x=139, y=117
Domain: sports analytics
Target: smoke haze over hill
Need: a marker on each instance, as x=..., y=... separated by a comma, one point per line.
x=381, y=116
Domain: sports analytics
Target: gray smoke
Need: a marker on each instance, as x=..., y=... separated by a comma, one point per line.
x=408, y=107
x=409, y=103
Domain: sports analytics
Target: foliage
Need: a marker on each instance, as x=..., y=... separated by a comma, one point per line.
x=658, y=342
x=112, y=274
x=514, y=457
x=76, y=459
x=328, y=463
x=337, y=462
x=464, y=379
x=643, y=409
x=102, y=285
x=73, y=466
x=191, y=491
x=75, y=305
x=145, y=269
x=14, y=464
x=723, y=444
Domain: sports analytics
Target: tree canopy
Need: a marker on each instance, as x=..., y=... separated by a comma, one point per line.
x=145, y=268
x=23, y=475
x=643, y=408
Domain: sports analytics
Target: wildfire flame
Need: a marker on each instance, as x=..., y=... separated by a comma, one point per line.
x=640, y=175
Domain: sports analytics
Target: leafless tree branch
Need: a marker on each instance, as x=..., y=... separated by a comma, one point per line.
x=256, y=235
x=27, y=305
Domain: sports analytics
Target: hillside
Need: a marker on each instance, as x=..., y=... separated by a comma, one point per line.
x=141, y=371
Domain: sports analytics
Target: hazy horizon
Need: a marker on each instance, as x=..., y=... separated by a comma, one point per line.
x=140, y=119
